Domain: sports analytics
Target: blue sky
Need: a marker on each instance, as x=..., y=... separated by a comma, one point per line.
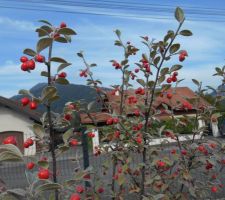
x=96, y=38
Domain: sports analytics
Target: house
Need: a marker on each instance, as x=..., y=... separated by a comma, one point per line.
x=16, y=120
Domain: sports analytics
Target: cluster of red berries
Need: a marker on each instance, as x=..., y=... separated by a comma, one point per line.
x=209, y=165
x=146, y=66
x=111, y=121
x=91, y=135
x=140, y=91
x=169, y=134
x=132, y=100
x=173, y=78
x=84, y=73
x=28, y=65
x=137, y=127
x=132, y=75
x=202, y=149
x=138, y=138
x=182, y=56
x=25, y=101
x=62, y=75
x=10, y=140
x=29, y=142
x=116, y=65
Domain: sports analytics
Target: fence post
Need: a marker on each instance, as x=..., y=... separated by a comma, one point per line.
x=84, y=140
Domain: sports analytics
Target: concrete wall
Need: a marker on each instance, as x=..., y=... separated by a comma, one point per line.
x=13, y=121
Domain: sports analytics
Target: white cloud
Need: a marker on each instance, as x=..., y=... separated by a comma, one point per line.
x=17, y=24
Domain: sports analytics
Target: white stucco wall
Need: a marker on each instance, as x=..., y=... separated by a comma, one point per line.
x=13, y=121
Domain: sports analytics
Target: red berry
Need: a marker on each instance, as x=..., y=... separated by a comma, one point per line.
x=201, y=148
x=181, y=57
x=25, y=101
x=91, y=135
x=39, y=58
x=184, y=152
x=115, y=120
x=31, y=64
x=43, y=174
x=169, y=95
x=184, y=53
x=62, y=75
x=33, y=105
x=75, y=197
x=174, y=79
x=109, y=121
x=137, y=113
x=80, y=189
x=214, y=189
x=23, y=59
x=30, y=141
x=139, y=140
x=26, y=145
x=73, y=142
x=169, y=80
x=100, y=190
x=30, y=165
x=117, y=134
x=68, y=117
x=175, y=73
x=25, y=66
x=161, y=164
x=136, y=70
x=56, y=35
x=63, y=25
x=10, y=140
x=212, y=145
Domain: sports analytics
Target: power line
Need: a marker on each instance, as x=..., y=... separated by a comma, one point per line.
x=96, y=13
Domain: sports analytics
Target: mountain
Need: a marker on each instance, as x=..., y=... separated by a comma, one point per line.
x=70, y=92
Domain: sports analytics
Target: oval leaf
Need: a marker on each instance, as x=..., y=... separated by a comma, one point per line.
x=29, y=52
x=62, y=66
x=67, y=31
x=57, y=59
x=185, y=33
x=179, y=14
x=174, y=48
x=43, y=44
x=62, y=81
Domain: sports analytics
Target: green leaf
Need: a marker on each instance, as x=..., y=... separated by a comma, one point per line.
x=118, y=43
x=43, y=163
x=53, y=98
x=29, y=52
x=38, y=130
x=124, y=62
x=17, y=192
x=48, y=92
x=174, y=48
x=44, y=73
x=67, y=135
x=195, y=82
x=46, y=22
x=156, y=60
x=57, y=59
x=185, y=33
x=175, y=68
x=161, y=79
x=46, y=187
x=164, y=71
x=62, y=81
x=118, y=33
x=93, y=65
x=179, y=14
x=67, y=31
x=80, y=54
x=10, y=152
x=43, y=43
x=63, y=66
x=24, y=92
x=41, y=32
x=61, y=40
x=121, y=179
x=141, y=82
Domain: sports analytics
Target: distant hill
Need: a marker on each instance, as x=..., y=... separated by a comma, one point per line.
x=70, y=92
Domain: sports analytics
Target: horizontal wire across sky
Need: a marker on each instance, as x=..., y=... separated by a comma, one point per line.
x=115, y=8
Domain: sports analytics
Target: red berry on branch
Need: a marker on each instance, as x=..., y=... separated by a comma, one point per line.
x=30, y=165
x=181, y=57
x=33, y=105
x=100, y=190
x=73, y=142
x=174, y=79
x=43, y=174
x=109, y=121
x=115, y=120
x=175, y=73
x=136, y=70
x=68, y=117
x=23, y=59
x=62, y=75
x=40, y=58
x=10, y=140
x=169, y=95
x=30, y=141
x=117, y=134
x=56, y=35
x=214, y=189
x=63, y=25
x=25, y=101
x=75, y=197
x=26, y=145
x=169, y=80
x=80, y=189
x=31, y=64
x=25, y=66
